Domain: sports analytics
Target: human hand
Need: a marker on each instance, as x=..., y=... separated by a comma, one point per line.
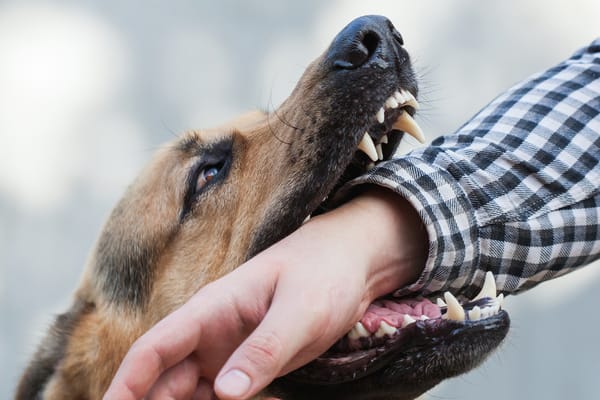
x=281, y=309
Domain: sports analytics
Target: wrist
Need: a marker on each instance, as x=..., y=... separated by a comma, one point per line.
x=395, y=238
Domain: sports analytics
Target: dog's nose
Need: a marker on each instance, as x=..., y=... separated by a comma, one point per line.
x=361, y=40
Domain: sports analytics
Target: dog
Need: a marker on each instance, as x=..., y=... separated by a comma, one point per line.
x=212, y=199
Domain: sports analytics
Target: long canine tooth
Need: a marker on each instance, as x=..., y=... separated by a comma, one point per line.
x=385, y=329
x=368, y=147
x=407, y=124
x=475, y=313
x=379, y=151
x=407, y=320
x=409, y=99
x=380, y=115
x=455, y=310
x=489, y=287
x=384, y=139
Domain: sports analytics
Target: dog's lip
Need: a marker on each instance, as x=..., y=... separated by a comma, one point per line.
x=369, y=347
x=339, y=368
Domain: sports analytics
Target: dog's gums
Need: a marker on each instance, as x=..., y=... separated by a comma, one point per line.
x=214, y=198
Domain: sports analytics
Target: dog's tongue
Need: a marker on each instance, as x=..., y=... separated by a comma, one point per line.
x=393, y=312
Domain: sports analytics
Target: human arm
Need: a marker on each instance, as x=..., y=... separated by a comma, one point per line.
x=516, y=190
x=282, y=308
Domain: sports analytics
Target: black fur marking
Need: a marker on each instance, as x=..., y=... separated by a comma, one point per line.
x=126, y=256
x=50, y=352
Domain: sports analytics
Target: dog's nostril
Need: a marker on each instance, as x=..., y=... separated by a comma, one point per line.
x=371, y=42
x=358, y=51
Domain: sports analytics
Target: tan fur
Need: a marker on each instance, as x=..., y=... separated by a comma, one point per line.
x=206, y=247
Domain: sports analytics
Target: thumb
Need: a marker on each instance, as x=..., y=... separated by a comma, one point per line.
x=269, y=350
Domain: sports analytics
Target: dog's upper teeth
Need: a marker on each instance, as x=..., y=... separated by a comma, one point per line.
x=380, y=115
x=384, y=139
x=399, y=97
x=455, y=311
x=409, y=99
x=407, y=124
x=379, y=152
x=489, y=287
x=391, y=102
x=368, y=147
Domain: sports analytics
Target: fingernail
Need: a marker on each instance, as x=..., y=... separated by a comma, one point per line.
x=234, y=383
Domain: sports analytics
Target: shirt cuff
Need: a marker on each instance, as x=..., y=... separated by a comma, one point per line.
x=447, y=214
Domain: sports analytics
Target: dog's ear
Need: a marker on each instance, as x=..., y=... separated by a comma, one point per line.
x=50, y=353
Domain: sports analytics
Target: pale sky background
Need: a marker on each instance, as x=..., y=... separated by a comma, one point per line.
x=88, y=89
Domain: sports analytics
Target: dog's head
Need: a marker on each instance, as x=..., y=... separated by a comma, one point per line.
x=212, y=199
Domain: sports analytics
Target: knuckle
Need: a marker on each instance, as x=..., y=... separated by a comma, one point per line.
x=264, y=351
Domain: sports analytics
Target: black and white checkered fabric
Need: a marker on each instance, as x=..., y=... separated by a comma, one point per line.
x=516, y=190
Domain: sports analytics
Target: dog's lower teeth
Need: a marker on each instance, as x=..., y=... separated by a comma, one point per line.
x=385, y=329
x=455, y=311
x=407, y=320
x=475, y=313
x=489, y=287
x=358, y=331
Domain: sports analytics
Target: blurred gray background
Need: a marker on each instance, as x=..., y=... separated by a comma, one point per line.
x=88, y=89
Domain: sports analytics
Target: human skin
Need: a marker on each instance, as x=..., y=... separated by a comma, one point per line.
x=280, y=309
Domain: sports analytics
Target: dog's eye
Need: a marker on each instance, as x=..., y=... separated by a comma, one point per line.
x=206, y=175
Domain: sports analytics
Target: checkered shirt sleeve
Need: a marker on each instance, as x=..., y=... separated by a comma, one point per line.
x=516, y=190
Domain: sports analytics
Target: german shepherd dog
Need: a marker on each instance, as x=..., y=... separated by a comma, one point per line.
x=214, y=198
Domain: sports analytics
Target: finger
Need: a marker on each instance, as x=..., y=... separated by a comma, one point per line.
x=166, y=344
x=204, y=391
x=277, y=340
x=178, y=382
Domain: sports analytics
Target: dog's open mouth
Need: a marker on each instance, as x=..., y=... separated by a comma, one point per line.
x=393, y=127
x=392, y=329
x=400, y=348
x=393, y=339
x=393, y=332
